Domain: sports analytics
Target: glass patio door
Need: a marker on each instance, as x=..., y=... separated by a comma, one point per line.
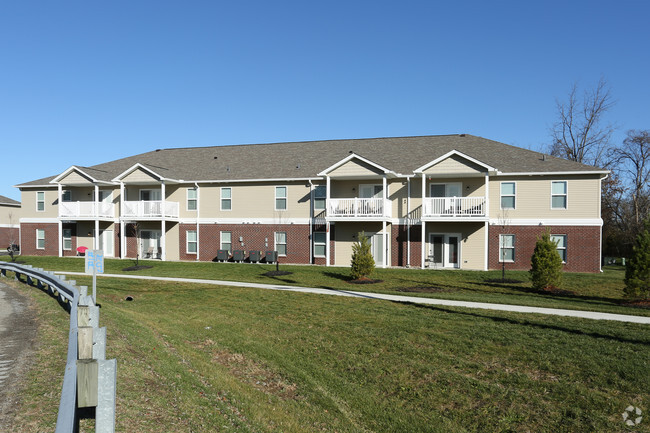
x=444, y=250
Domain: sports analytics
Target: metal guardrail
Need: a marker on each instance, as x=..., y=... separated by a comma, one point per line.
x=84, y=332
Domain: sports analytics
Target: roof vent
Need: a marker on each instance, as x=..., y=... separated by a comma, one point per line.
x=228, y=169
x=461, y=135
x=298, y=166
x=544, y=157
x=158, y=150
x=216, y=157
x=352, y=151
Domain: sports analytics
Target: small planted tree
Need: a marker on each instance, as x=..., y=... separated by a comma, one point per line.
x=637, y=270
x=546, y=264
x=362, y=261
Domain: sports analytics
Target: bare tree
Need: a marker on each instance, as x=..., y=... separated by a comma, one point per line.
x=11, y=236
x=633, y=163
x=580, y=133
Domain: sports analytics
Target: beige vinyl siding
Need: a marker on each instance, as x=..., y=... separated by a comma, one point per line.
x=172, y=242
x=28, y=199
x=355, y=168
x=533, y=199
x=85, y=230
x=139, y=175
x=344, y=233
x=75, y=178
x=10, y=215
x=256, y=200
x=455, y=165
x=472, y=245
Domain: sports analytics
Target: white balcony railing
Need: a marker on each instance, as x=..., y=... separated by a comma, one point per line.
x=86, y=209
x=150, y=209
x=357, y=207
x=454, y=207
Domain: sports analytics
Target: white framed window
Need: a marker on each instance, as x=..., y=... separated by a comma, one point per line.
x=226, y=241
x=226, y=198
x=150, y=195
x=40, y=201
x=559, y=194
x=280, y=198
x=40, y=239
x=560, y=242
x=320, y=196
x=281, y=243
x=192, y=195
x=67, y=239
x=191, y=242
x=320, y=240
x=506, y=248
x=66, y=195
x=508, y=195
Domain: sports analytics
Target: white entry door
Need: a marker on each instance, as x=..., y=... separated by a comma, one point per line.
x=444, y=250
x=107, y=242
x=377, y=248
x=150, y=244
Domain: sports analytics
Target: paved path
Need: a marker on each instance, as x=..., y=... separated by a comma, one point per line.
x=397, y=298
x=17, y=336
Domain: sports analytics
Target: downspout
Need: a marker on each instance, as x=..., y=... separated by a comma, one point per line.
x=600, y=214
x=311, y=222
x=198, y=209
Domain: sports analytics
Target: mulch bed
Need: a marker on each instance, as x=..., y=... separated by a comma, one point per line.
x=638, y=304
x=137, y=268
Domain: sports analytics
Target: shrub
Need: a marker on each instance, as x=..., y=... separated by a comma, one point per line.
x=637, y=270
x=362, y=261
x=546, y=264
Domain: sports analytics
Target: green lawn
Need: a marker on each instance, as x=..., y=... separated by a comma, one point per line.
x=199, y=358
x=593, y=292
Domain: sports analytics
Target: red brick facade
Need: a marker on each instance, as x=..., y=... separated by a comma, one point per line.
x=28, y=239
x=583, y=246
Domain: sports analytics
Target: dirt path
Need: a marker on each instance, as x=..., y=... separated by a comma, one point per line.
x=18, y=330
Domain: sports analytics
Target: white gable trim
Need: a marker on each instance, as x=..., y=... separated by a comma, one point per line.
x=350, y=158
x=457, y=153
x=135, y=167
x=80, y=171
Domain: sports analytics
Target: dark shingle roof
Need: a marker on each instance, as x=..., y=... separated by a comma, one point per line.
x=8, y=201
x=306, y=159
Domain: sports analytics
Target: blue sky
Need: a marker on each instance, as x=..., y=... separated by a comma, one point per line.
x=84, y=82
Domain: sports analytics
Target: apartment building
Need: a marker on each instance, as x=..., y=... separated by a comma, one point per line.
x=9, y=222
x=437, y=202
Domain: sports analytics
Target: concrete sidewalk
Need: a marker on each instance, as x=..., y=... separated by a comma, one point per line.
x=397, y=298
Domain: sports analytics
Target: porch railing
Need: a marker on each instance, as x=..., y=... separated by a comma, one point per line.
x=86, y=209
x=150, y=209
x=357, y=207
x=454, y=207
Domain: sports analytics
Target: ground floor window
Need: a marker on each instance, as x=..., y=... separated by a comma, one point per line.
x=281, y=243
x=191, y=242
x=560, y=241
x=67, y=239
x=320, y=244
x=40, y=239
x=226, y=241
x=506, y=248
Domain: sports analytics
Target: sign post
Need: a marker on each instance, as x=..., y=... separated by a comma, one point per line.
x=94, y=266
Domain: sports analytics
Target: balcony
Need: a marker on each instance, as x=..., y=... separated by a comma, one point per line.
x=86, y=209
x=150, y=209
x=454, y=207
x=352, y=208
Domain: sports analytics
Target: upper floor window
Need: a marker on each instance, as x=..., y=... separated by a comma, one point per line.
x=508, y=194
x=280, y=198
x=66, y=195
x=40, y=201
x=320, y=194
x=506, y=248
x=559, y=194
x=560, y=242
x=226, y=198
x=192, y=195
x=150, y=195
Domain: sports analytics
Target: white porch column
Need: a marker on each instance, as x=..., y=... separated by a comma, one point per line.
x=408, y=222
x=387, y=213
x=96, y=215
x=487, y=215
x=487, y=237
x=162, y=240
x=423, y=244
x=60, y=222
x=386, y=237
x=163, y=198
x=198, y=209
x=327, y=223
x=122, y=223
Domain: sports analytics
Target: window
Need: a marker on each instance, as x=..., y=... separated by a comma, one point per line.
x=320, y=240
x=508, y=194
x=281, y=243
x=280, y=198
x=40, y=239
x=191, y=242
x=226, y=198
x=560, y=241
x=559, y=195
x=67, y=239
x=320, y=194
x=40, y=201
x=226, y=241
x=66, y=195
x=506, y=248
x=191, y=198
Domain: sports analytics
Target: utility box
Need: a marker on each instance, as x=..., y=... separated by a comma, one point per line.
x=255, y=256
x=271, y=256
x=222, y=255
x=238, y=255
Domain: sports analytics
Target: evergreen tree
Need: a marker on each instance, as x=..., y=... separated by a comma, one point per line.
x=362, y=261
x=546, y=263
x=637, y=271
